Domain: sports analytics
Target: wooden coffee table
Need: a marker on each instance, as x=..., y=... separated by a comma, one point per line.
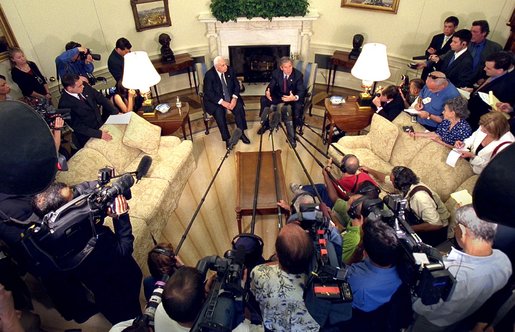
x=349, y=117
x=246, y=165
x=172, y=120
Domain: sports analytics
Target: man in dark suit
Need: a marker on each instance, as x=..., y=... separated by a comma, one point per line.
x=222, y=93
x=501, y=81
x=441, y=43
x=389, y=103
x=287, y=86
x=481, y=48
x=86, y=118
x=115, y=62
x=457, y=63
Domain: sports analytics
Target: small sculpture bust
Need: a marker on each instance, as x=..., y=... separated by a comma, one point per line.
x=357, y=42
x=167, y=55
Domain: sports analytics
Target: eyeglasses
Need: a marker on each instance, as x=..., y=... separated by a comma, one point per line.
x=434, y=77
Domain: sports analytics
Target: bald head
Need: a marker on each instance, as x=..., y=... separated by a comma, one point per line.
x=351, y=164
x=294, y=249
x=436, y=81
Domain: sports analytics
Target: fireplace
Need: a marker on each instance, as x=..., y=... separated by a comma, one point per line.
x=256, y=63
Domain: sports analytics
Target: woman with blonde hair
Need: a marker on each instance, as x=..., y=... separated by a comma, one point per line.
x=492, y=137
x=26, y=74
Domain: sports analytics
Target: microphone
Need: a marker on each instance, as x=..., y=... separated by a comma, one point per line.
x=143, y=167
x=285, y=113
x=264, y=115
x=119, y=187
x=235, y=137
x=274, y=122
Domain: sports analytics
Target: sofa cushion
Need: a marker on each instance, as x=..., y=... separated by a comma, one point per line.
x=142, y=135
x=118, y=154
x=151, y=193
x=429, y=165
x=406, y=147
x=83, y=166
x=382, y=136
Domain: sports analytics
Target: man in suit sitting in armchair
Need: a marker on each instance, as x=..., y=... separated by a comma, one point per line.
x=222, y=93
x=83, y=102
x=287, y=86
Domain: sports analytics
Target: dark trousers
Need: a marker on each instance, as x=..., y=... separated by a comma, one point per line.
x=296, y=106
x=221, y=119
x=322, y=191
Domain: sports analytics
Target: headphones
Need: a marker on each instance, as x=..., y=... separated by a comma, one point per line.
x=396, y=174
x=163, y=251
x=293, y=210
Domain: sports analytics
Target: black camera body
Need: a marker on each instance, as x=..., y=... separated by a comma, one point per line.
x=48, y=112
x=84, y=55
x=430, y=281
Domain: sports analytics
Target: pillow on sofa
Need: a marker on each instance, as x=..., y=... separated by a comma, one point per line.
x=142, y=135
x=382, y=136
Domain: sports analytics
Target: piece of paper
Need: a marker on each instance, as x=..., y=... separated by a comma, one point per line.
x=462, y=197
x=420, y=258
x=493, y=100
x=452, y=158
x=464, y=93
x=412, y=111
x=122, y=118
x=484, y=97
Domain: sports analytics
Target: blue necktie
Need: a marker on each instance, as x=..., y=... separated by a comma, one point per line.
x=225, y=90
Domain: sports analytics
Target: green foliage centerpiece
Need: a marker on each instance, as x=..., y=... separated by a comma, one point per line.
x=230, y=10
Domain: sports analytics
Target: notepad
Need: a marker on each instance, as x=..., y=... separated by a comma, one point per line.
x=462, y=197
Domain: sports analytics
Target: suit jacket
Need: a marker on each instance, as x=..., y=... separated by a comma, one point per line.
x=85, y=115
x=392, y=109
x=295, y=84
x=459, y=72
x=213, y=91
x=436, y=43
x=490, y=48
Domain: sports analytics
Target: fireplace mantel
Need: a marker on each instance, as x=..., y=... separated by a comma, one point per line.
x=295, y=31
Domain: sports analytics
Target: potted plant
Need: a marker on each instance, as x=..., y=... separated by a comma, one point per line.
x=230, y=10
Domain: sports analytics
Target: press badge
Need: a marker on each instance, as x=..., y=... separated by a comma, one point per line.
x=426, y=100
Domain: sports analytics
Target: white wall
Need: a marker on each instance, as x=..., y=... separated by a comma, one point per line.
x=42, y=28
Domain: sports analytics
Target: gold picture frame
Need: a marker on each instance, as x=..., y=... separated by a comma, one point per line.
x=150, y=14
x=389, y=6
x=7, y=39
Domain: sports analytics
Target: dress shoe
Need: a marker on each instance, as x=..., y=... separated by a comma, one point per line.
x=227, y=144
x=262, y=130
x=245, y=139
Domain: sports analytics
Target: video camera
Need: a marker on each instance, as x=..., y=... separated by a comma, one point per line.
x=420, y=265
x=84, y=55
x=328, y=295
x=48, y=112
x=223, y=309
x=65, y=237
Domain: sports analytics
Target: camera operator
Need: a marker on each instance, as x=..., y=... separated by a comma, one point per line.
x=426, y=213
x=75, y=60
x=479, y=271
x=161, y=261
x=279, y=288
x=109, y=272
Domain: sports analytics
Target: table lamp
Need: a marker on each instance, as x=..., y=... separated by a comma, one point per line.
x=371, y=67
x=139, y=74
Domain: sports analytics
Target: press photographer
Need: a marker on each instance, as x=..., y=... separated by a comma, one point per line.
x=77, y=60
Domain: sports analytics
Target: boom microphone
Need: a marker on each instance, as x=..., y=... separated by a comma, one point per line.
x=275, y=120
x=264, y=115
x=143, y=167
x=235, y=137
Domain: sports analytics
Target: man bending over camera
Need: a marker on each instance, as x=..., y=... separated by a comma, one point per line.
x=75, y=60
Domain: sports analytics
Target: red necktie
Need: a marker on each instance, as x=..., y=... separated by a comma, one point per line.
x=285, y=84
x=81, y=97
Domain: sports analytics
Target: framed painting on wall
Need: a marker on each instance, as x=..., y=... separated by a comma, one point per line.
x=389, y=6
x=150, y=14
x=7, y=39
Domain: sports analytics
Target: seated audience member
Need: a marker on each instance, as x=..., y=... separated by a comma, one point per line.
x=27, y=75
x=83, y=101
x=116, y=61
x=481, y=48
x=508, y=109
x=433, y=96
x=441, y=43
x=70, y=62
x=456, y=64
x=500, y=82
x=492, y=137
x=222, y=94
x=161, y=261
x=479, y=271
x=415, y=86
x=109, y=276
x=286, y=86
x=4, y=89
x=351, y=178
x=123, y=99
x=374, y=280
x=426, y=213
x=279, y=288
x=389, y=104
x=454, y=127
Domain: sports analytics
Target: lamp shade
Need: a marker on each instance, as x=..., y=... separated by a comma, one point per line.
x=372, y=63
x=139, y=72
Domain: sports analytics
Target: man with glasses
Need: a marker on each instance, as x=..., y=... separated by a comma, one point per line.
x=83, y=101
x=479, y=270
x=433, y=97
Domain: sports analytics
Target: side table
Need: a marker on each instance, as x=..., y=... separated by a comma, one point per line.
x=182, y=61
x=349, y=117
x=339, y=58
x=171, y=120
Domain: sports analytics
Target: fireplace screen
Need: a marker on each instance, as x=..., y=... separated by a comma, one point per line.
x=256, y=63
